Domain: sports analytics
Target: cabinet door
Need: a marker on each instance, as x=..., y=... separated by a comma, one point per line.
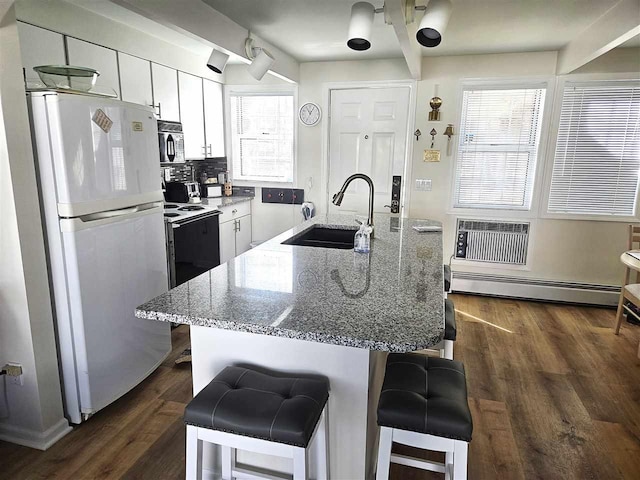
x=165, y=92
x=39, y=47
x=213, y=118
x=135, y=79
x=227, y=241
x=192, y=113
x=243, y=234
x=104, y=60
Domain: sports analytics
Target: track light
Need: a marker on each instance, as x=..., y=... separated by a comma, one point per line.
x=217, y=61
x=360, y=26
x=261, y=59
x=433, y=23
x=429, y=34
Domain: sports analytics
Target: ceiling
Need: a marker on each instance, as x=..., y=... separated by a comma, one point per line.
x=316, y=30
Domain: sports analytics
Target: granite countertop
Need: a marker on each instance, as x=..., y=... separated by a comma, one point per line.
x=390, y=299
x=219, y=202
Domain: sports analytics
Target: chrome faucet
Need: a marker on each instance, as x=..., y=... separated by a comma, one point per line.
x=337, y=198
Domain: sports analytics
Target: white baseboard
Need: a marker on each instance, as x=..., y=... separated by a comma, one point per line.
x=518, y=287
x=32, y=438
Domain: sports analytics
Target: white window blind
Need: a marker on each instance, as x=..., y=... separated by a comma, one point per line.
x=597, y=157
x=498, y=147
x=262, y=137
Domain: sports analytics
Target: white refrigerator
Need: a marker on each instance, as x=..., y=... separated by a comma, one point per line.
x=101, y=198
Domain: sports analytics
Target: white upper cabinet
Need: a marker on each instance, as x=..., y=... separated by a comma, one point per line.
x=104, y=60
x=165, y=92
x=192, y=115
x=39, y=47
x=135, y=79
x=213, y=118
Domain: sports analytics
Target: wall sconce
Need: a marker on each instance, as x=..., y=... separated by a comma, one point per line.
x=434, y=114
x=449, y=133
x=217, y=61
x=429, y=34
x=261, y=59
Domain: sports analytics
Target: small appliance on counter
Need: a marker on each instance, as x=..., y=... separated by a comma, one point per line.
x=182, y=192
x=211, y=190
x=171, y=142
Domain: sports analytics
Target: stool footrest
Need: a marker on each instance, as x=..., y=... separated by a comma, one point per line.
x=258, y=474
x=418, y=463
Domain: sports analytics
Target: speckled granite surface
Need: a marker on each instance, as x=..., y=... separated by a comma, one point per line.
x=219, y=202
x=390, y=299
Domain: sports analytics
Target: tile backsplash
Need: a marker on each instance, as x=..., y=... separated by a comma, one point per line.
x=182, y=172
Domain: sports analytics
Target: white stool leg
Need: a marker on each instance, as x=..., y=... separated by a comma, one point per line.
x=448, y=465
x=300, y=464
x=384, y=453
x=448, y=349
x=322, y=446
x=460, y=460
x=194, y=454
x=228, y=462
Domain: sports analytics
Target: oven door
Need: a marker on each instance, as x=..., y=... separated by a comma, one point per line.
x=194, y=248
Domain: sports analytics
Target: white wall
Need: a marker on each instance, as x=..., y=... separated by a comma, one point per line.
x=568, y=250
x=33, y=414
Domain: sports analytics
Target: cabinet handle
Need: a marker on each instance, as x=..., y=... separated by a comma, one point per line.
x=159, y=109
x=238, y=224
x=209, y=149
x=204, y=150
x=234, y=211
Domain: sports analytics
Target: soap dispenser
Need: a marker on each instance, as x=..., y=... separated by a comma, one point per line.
x=362, y=239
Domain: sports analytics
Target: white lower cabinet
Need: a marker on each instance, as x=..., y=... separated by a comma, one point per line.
x=235, y=231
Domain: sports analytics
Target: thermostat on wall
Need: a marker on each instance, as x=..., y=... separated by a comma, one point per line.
x=309, y=114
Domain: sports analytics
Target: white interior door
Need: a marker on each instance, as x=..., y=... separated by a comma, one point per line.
x=367, y=134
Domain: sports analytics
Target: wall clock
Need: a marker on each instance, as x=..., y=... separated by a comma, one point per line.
x=309, y=114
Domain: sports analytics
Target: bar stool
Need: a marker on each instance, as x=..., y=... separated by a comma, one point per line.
x=423, y=404
x=247, y=409
x=447, y=279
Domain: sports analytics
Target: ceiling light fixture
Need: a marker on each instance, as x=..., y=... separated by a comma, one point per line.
x=261, y=59
x=433, y=23
x=360, y=26
x=429, y=33
x=217, y=61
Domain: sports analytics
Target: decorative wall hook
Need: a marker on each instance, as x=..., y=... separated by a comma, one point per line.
x=417, y=134
x=449, y=133
x=434, y=114
x=433, y=134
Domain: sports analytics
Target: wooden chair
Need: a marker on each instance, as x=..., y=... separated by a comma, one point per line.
x=630, y=292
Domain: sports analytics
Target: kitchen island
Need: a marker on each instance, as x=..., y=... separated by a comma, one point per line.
x=317, y=310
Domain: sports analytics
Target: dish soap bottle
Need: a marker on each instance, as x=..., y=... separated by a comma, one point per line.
x=362, y=240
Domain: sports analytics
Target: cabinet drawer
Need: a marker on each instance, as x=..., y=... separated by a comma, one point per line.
x=235, y=211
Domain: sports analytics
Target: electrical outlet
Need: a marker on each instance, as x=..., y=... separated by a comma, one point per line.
x=423, y=185
x=14, y=373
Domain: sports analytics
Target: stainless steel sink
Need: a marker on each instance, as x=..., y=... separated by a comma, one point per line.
x=325, y=237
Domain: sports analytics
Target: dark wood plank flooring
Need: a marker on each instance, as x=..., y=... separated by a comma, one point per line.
x=553, y=392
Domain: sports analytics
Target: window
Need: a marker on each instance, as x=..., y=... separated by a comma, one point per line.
x=498, y=147
x=597, y=156
x=262, y=131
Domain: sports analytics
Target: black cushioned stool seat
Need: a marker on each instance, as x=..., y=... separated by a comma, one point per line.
x=449, y=320
x=425, y=395
x=447, y=278
x=255, y=404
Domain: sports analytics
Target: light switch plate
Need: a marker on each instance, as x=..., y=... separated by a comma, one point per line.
x=423, y=184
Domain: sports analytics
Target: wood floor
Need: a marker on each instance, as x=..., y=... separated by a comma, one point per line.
x=553, y=392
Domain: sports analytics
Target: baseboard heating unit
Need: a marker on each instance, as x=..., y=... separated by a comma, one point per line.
x=529, y=288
